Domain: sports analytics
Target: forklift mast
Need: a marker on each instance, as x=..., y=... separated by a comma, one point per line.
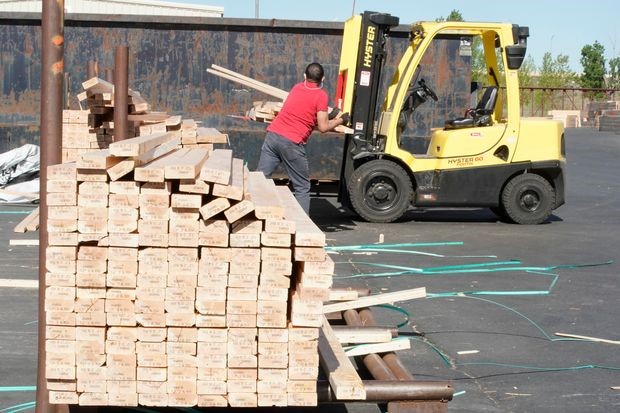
x=359, y=81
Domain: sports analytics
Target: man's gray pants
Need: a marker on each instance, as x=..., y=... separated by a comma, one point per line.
x=277, y=149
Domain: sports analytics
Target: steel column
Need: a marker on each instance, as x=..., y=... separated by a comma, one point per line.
x=52, y=73
x=92, y=70
x=121, y=90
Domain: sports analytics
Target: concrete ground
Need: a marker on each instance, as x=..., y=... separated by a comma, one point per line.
x=496, y=343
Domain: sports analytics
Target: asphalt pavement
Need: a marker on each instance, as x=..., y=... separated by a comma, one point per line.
x=498, y=293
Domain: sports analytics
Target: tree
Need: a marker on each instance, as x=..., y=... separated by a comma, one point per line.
x=614, y=73
x=454, y=16
x=555, y=72
x=526, y=72
x=593, y=63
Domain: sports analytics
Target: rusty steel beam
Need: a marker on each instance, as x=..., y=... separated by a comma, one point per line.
x=121, y=90
x=397, y=367
x=92, y=69
x=109, y=75
x=52, y=74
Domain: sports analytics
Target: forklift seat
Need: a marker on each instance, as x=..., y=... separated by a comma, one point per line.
x=481, y=115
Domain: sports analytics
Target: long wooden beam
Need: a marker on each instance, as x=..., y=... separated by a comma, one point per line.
x=248, y=81
x=376, y=299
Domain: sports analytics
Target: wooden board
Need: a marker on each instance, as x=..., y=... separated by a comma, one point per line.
x=30, y=223
x=263, y=194
x=210, y=135
x=376, y=299
x=307, y=234
x=217, y=168
x=234, y=188
x=343, y=378
x=187, y=164
x=139, y=145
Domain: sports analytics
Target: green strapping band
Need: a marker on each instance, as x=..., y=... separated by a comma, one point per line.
x=17, y=388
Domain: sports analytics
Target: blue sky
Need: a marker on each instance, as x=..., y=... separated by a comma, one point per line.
x=556, y=26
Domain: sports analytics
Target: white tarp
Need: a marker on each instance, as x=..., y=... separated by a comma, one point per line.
x=19, y=181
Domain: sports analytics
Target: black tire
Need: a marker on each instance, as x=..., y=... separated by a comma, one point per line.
x=380, y=191
x=528, y=199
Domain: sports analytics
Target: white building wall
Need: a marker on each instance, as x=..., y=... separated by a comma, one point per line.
x=139, y=7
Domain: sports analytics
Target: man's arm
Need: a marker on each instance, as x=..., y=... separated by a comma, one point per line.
x=324, y=124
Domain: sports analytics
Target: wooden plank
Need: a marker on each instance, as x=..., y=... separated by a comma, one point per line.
x=343, y=378
x=187, y=164
x=238, y=211
x=264, y=196
x=121, y=169
x=214, y=207
x=247, y=81
x=217, y=168
x=307, y=233
x=31, y=221
x=363, y=335
x=24, y=242
x=159, y=151
x=140, y=144
x=210, y=135
x=233, y=189
x=154, y=171
x=363, y=349
x=376, y=299
x=101, y=159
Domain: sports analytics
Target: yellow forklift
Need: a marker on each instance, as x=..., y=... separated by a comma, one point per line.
x=489, y=157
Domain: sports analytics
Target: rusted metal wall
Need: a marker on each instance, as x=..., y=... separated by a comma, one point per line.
x=168, y=58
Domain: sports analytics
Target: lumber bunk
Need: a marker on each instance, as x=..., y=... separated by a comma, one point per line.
x=178, y=278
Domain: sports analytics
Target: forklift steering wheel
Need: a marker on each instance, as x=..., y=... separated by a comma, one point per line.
x=427, y=90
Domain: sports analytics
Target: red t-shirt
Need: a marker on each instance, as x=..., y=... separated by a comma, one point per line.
x=298, y=115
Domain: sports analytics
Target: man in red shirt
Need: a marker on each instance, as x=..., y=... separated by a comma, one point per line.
x=304, y=109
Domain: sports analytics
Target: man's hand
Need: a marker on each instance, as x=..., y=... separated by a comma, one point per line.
x=333, y=114
x=346, y=118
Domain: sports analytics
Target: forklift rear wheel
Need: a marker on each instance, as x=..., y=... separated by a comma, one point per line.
x=380, y=191
x=528, y=199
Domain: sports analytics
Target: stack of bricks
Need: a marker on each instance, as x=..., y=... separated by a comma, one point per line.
x=180, y=279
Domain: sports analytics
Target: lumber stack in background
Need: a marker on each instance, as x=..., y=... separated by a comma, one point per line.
x=176, y=277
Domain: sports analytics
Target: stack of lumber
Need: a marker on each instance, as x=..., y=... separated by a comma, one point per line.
x=263, y=111
x=78, y=136
x=569, y=118
x=93, y=128
x=609, y=121
x=176, y=277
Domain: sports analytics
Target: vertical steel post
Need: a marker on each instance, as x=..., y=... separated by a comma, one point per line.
x=121, y=90
x=52, y=73
x=92, y=70
x=109, y=75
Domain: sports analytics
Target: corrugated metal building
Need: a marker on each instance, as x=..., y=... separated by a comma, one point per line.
x=131, y=7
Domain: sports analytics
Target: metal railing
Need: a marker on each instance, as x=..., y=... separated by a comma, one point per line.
x=538, y=101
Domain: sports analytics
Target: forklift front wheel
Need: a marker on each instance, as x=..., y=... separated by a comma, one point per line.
x=380, y=191
x=528, y=199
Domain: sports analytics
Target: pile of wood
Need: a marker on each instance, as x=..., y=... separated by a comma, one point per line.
x=176, y=277
x=93, y=128
x=569, y=118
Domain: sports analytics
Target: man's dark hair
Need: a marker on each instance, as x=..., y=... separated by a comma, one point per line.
x=314, y=73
